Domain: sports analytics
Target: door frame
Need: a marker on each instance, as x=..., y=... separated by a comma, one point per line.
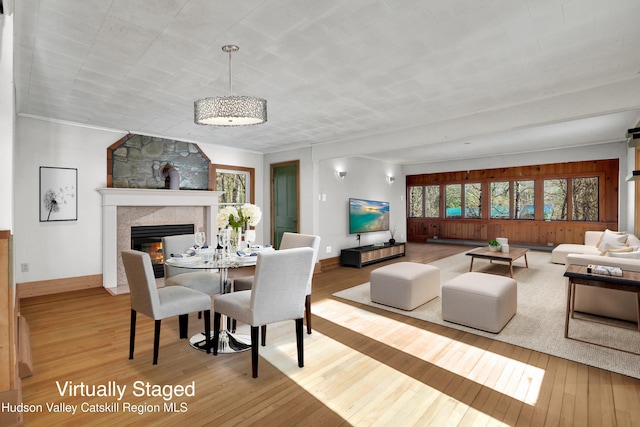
x=273, y=166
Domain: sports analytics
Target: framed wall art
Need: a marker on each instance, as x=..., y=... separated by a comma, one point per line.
x=58, y=194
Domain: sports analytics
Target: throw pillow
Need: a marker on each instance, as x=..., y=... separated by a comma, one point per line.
x=612, y=238
x=608, y=250
x=632, y=240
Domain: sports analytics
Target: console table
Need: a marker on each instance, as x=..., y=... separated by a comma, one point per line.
x=365, y=255
x=578, y=275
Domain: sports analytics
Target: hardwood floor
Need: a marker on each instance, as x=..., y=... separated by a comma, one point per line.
x=363, y=366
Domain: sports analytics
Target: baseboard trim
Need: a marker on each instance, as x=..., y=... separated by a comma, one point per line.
x=329, y=263
x=56, y=286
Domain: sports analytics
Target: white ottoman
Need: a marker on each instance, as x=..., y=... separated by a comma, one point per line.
x=479, y=300
x=405, y=285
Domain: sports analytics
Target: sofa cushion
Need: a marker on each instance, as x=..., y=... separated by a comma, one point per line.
x=560, y=252
x=612, y=239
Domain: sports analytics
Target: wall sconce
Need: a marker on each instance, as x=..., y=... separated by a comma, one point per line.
x=390, y=179
x=340, y=174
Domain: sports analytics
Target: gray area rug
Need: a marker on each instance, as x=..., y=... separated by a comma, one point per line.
x=540, y=318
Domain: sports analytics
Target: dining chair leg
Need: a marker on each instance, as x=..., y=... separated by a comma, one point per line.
x=132, y=333
x=307, y=310
x=216, y=332
x=300, y=342
x=254, y=351
x=156, y=342
x=207, y=330
x=183, y=324
x=264, y=335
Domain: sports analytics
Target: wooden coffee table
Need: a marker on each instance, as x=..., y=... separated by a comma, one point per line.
x=512, y=255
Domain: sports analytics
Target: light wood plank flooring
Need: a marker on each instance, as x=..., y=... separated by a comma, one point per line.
x=363, y=366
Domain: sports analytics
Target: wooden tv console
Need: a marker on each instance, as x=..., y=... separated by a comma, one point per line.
x=365, y=255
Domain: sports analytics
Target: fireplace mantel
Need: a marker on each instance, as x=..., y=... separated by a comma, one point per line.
x=112, y=198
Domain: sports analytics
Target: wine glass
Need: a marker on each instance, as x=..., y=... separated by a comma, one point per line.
x=200, y=239
x=249, y=237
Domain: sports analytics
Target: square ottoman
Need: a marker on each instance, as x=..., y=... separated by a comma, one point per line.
x=479, y=300
x=405, y=285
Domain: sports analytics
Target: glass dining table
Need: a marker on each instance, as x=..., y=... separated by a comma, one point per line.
x=230, y=342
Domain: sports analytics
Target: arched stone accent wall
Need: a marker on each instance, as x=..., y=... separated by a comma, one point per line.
x=136, y=161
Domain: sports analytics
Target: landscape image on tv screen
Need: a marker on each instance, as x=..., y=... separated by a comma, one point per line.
x=368, y=215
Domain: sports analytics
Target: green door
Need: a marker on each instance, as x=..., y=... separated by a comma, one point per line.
x=284, y=190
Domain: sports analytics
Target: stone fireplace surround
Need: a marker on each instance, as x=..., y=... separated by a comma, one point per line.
x=124, y=207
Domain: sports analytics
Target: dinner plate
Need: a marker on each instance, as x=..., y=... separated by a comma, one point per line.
x=186, y=260
x=246, y=259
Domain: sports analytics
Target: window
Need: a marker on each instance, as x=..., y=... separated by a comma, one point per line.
x=432, y=201
x=237, y=184
x=568, y=197
x=453, y=200
x=473, y=200
x=555, y=199
x=584, y=200
x=500, y=200
x=523, y=200
x=416, y=202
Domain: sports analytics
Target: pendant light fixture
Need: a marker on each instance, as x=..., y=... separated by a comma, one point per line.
x=230, y=110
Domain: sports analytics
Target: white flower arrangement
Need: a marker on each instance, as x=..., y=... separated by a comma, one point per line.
x=230, y=216
x=222, y=220
x=251, y=213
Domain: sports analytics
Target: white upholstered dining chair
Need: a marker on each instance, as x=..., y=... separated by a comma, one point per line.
x=161, y=303
x=278, y=294
x=289, y=241
x=203, y=281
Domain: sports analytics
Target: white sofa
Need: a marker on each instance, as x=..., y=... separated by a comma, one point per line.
x=590, y=246
x=560, y=252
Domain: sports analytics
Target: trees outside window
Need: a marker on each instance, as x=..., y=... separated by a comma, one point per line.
x=416, y=202
x=453, y=201
x=473, y=200
x=500, y=200
x=432, y=201
x=584, y=200
x=556, y=198
x=524, y=199
x=508, y=199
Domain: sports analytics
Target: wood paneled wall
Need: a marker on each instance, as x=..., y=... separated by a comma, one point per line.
x=525, y=232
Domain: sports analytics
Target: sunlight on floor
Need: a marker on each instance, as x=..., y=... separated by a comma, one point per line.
x=518, y=380
x=362, y=390
x=365, y=391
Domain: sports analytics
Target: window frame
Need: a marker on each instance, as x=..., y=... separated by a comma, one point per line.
x=215, y=168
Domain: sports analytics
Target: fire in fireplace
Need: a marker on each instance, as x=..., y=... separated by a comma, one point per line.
x=148, y=238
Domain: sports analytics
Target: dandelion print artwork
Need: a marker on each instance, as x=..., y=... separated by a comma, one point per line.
x=58, y=194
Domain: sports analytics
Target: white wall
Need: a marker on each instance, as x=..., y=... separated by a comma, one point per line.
x=7, y=114
x=73, y=248
x=59, y=249
x=366, y=179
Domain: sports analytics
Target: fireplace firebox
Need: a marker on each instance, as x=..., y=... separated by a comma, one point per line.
x=148, y=238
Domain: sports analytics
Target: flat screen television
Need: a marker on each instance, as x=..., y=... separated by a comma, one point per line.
x=368, y=215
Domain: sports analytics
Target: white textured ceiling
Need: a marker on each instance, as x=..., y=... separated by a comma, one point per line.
x=402, y=80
